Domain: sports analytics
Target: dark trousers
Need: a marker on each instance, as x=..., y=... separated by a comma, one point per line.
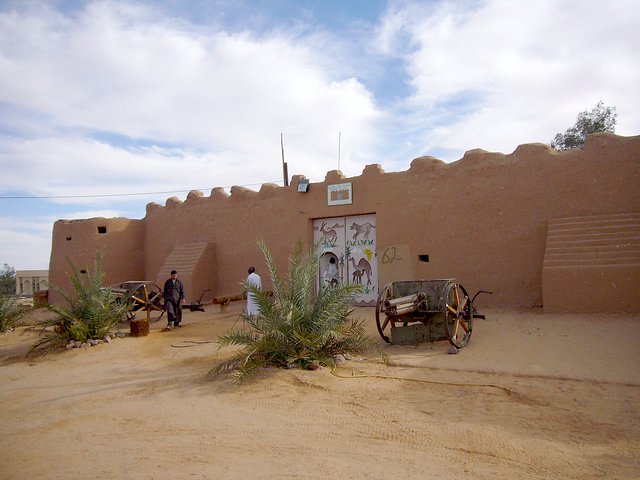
x=174, y=312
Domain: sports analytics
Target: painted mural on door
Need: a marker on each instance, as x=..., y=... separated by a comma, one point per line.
x=347, y=248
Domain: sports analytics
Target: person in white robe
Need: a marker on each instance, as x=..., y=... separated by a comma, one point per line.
x=252, y=303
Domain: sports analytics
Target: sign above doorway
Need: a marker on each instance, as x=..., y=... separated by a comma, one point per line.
x=339, y=194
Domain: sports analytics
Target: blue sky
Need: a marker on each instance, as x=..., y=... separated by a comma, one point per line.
x=107, y=106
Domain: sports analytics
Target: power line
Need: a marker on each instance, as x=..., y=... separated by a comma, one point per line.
x=100, y=195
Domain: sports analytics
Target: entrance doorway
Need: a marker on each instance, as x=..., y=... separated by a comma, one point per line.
x=348, y=253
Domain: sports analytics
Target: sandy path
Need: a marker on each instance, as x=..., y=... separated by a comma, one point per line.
x=531, y=397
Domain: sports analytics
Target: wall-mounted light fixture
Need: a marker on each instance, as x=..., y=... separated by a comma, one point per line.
x=303, y=185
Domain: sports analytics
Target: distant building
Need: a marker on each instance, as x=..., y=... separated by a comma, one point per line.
x=30, y=281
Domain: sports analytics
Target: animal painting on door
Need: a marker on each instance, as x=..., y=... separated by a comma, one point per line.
x=363, y=228
x=351, y=243
x=330, y=234
x=362, y=266
x=357, y=276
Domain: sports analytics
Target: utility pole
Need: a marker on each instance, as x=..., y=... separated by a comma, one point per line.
x=285, y=172
x=339, y=135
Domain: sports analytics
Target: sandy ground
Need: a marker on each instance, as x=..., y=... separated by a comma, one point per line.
x=532, y=396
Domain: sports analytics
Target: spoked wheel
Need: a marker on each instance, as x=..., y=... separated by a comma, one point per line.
x=458, y=315
x=382, y=321
x=146, y=298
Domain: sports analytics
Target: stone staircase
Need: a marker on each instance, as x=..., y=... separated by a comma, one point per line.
x=195, y=265
x=592, y=264
x=590, y=241
x=183, y=258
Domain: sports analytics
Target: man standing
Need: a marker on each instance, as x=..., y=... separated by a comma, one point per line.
x=173, y=298
x=252, y=303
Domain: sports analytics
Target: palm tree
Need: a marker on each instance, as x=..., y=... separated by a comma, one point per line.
x=91, y=314
x=294, y=326
x=11, y=311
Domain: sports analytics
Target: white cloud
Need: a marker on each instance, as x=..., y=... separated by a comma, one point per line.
x=25, y=250
x=507, y=73
x=82, y=214
x=26, y=241
x=37, y=224
x=221, y=100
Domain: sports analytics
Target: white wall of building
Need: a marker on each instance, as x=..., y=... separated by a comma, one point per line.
x=30, y=281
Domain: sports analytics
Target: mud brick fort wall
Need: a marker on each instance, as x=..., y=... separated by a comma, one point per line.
x=536, y=227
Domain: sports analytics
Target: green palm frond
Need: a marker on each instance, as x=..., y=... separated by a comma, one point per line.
x=296, y=325
x=11, y=311
x=276, y=281
x=91, y=313
x=303, y=266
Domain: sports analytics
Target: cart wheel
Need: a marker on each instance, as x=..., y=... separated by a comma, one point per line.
x=383, y=296
x=146, y=298
x=458, y=315
x=135, y=300
x=157, y=300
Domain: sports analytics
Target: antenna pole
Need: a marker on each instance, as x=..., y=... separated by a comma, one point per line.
x=339, y=135
x=285, y=172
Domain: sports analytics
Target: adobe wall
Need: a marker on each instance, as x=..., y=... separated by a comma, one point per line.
x=482, y=219
x=80, y=240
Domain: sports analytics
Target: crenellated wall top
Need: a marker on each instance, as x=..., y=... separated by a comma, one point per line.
x=472, y=159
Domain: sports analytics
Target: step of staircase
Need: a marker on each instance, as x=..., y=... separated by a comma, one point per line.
x=595, y=220
x=183, y=258
x=593, y=241
x=592, y=264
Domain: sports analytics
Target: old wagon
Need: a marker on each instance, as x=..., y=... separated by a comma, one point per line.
x=412, y=312
x=142, y=295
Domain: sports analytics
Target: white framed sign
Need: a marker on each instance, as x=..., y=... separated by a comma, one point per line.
x=339, y=194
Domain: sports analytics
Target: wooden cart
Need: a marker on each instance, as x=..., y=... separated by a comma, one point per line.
x=412, y=312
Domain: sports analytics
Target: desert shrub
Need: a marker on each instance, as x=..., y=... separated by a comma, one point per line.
x=11, y=311
x=295, y=327
x=89, y=314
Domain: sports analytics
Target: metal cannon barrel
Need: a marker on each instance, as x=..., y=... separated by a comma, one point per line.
x=425, y=310
x=402, y=305
x=398, y=310
x=412, y=299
